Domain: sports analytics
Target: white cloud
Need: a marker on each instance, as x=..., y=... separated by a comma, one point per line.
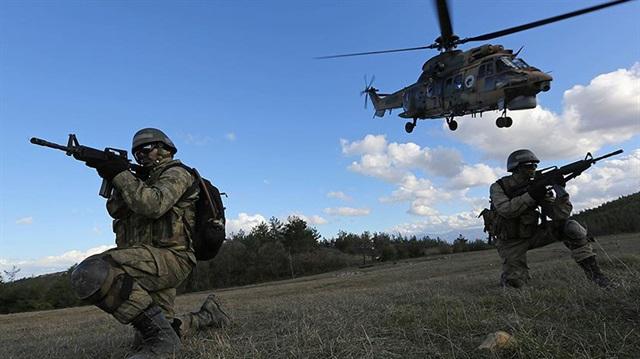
x=412, y=187
x=440, y=223
x=51, y=264
x=25, y=220
x=610, y=100
x=347, y=211
x=395, y=163
x=392, y=162
x=476, y=175
x=231, y=136
x=606, y=111
x=370, y=144
x=244, y=222
x=445, y=162
x=339, y=195
x=377, y=165
x=314, y=220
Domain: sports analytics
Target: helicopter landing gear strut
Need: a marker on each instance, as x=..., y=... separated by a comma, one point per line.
x=504, y=120
x=453, y=124
x=409, y=126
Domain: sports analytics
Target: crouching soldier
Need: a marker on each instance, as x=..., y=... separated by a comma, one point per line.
x=153, y=217
x=521, y=226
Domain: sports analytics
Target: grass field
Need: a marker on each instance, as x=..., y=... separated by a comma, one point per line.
x=433, y=307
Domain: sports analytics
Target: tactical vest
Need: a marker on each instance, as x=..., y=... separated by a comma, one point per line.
x=521, y=227
x=172, y=229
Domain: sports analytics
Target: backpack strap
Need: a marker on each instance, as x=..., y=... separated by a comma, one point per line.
x=192, y=171
x=508, y=193
x=199, y=182
x=205, y=191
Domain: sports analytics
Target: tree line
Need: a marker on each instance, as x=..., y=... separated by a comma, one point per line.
x=280, y=250
x=619, y=216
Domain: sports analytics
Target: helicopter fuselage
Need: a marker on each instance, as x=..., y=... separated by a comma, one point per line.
x=457, y=83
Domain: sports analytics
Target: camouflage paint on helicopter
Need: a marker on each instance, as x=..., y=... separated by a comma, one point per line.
x=457, y=83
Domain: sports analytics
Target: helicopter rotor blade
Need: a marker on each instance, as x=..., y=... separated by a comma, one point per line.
x=446, y=30
x=433, y=46
x=511, y=30
x=367, y=87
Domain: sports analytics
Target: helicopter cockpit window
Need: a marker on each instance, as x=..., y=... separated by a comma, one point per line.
x=458, y=82
x=448, y=83
x=520, y=63
x=504, y=63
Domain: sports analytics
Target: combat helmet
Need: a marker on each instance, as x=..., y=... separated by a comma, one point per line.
x=152, y=135
x=519, y=157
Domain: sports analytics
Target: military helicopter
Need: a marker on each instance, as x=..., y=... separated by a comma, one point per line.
x=457, y=83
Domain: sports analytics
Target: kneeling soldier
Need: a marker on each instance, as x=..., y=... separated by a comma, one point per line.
x=153, y=216
x=517, y=224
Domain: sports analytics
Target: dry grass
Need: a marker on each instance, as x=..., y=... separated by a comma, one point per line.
x=435, y=307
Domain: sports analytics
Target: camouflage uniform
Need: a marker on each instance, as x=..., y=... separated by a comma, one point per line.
x=518, y=229
x=152, y=223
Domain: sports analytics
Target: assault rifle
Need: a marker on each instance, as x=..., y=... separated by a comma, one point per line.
x=550, y=176
x=90, y=154
x=559, y=176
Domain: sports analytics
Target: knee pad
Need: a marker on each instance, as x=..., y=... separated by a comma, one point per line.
x=99, y=282
x=574, y=230
x=90, y=276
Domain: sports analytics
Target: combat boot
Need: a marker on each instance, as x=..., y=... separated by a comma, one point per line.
x=210, y=315
x=158, y=337
x=593, y=272
x=137, y=337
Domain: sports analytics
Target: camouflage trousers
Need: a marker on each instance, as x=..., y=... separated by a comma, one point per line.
x=513, y=251
x=156, y=273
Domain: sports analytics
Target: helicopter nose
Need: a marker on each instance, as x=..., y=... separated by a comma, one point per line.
x=541, y=80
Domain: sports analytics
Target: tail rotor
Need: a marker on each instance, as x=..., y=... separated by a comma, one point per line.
x=368, y=88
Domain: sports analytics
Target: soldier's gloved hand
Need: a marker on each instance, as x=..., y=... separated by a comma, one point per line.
x=559, y=180
x=109, y=169
x=537, y=192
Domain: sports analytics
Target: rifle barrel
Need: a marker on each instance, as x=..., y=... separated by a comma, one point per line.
x=41, y=142
x=608, y=155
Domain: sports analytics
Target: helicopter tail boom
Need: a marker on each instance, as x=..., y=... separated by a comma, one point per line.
x=384, y=102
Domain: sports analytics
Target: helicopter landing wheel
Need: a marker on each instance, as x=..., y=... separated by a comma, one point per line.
x=409, y=127
x=453, y=124
x=502, y=122
x=507, y=122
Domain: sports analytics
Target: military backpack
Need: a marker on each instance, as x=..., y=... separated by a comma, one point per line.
x=209, y=232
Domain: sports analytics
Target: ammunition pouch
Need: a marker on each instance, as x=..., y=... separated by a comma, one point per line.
x=521, y=227
x=528, y=223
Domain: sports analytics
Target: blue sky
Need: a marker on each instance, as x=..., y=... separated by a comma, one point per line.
x=235, y=86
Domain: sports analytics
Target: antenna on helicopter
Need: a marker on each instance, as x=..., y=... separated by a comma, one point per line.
x=517, y=52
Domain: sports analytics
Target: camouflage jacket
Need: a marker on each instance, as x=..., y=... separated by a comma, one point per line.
x=158, y=211
x=518, y=217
